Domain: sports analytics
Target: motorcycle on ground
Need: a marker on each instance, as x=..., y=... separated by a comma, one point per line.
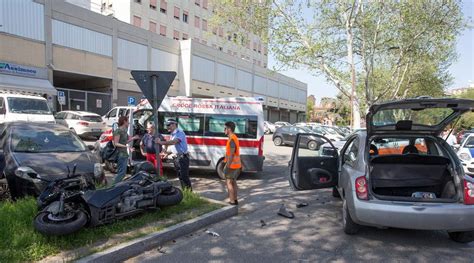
x=64, y=207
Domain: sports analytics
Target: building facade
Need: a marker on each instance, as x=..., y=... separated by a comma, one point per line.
x=88, y=57
x=182, y=20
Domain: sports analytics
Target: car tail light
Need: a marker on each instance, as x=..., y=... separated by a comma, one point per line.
x=468, y=193
x=83, y=123
x=361, y=188
x=260, y=146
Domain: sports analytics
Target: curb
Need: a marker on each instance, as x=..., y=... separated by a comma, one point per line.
x=137, y=246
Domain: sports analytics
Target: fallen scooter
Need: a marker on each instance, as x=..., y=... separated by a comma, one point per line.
x=64, y=208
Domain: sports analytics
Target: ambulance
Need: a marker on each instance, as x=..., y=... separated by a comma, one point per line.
x=202, y=120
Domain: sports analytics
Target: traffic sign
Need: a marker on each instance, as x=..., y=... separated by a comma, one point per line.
x=131, y=101
x=61, y=97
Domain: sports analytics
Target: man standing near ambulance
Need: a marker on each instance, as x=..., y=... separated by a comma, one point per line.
x=181, y=162
x=232, y=162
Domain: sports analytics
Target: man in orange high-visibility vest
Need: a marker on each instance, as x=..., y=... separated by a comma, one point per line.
x=232, y=162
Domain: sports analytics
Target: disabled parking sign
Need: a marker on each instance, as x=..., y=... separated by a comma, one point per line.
x=132, y=101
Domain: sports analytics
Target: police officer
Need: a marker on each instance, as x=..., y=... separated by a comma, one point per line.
x=181, y=162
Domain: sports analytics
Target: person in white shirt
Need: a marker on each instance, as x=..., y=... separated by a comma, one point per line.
x=449, y=137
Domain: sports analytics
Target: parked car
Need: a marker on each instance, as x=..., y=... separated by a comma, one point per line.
x=300, y=124
x=84, y=124
x=22, y=107
x=111, y=117
x=269, y=127
x=51, y=151
x=421, y=185
x=279, y=124
x=465, y=151
x=287, y=134
x=330, y=134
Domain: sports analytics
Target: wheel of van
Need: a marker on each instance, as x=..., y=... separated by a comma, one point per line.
x=312, y=145
x=348, y=225
x=462, y=237
x=278, y=141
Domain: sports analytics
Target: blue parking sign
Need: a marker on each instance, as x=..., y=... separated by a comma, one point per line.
x=132, y=101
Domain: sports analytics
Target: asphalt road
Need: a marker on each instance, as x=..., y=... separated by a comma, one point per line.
x=258, y=234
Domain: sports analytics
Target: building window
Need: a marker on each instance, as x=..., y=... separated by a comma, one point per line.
x=197, y=22
x=214, y=46
x=204, y=4
x=229, y=37
x=214, y=30
x=254, y=46
x=185, y=36
x=137, y=21
x=265, y=51
x=221, y=32
x=196, y=39
x=153, y=4
x=185, y=16
x=176, y=12
x=138, y=1
x=152, y=27
x=163, y=6
x=163, y=30
x=264, y=65
x=254, y=61
x=198, y=2
x=176, y=35
x=220, y=49
x=259, y=48
x=204, y=24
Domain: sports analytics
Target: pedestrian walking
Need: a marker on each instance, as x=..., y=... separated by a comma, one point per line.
x=181, y=162
x=121, y=140
x=232, y=162
x=149, y=148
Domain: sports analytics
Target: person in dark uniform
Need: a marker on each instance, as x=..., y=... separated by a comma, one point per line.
x=181, y=162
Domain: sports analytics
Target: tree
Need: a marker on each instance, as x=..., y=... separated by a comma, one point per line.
x=370, y=51
x=309, y=109
x=467, y=120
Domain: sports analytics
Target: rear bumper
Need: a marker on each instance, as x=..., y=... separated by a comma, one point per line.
x=410, y=215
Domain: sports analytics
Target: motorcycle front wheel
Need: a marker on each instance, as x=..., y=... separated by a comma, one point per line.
x=170, y=197
x=49, y=224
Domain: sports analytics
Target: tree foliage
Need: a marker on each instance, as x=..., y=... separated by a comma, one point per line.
x=309, y=109
x=383, y=50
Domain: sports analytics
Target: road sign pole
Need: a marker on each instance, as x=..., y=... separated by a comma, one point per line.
x=155, y=120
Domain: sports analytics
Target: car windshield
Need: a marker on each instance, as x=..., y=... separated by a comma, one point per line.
x=91, y=118
x=469, y=142
x=28, y=105
x=43, y=141
x=424, y=117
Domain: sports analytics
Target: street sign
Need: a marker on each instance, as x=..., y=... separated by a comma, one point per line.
x=61, y=97
x=131, y=101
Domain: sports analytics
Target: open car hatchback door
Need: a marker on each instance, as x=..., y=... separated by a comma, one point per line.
x=313, y=169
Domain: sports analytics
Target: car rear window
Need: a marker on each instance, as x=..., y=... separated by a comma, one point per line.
x=91, y=118
x=399, y=146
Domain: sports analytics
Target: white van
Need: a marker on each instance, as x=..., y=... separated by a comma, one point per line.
x=22, y=107
x=115, y=113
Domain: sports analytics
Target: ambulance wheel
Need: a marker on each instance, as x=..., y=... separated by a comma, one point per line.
x=220, y=169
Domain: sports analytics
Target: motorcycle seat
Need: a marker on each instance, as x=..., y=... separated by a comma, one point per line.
x=99, y=198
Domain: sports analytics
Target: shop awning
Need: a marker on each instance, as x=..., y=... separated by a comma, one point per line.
x=24, y=84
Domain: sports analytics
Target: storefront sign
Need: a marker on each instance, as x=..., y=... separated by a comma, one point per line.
x=98, y=103
x=21, y=70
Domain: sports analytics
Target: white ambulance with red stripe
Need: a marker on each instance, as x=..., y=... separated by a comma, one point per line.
x=202, y=120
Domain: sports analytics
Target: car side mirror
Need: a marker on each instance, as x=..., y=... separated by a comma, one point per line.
x=91, y=147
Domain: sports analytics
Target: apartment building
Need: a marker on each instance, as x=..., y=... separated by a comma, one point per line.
x=49, y=46
x=182, y=20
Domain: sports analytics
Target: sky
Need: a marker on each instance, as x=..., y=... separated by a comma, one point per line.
x=461, y=70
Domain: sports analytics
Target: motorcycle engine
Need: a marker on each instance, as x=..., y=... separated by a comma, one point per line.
x=129, y=201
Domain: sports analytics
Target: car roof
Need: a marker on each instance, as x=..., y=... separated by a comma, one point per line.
x=36, y=125
x=80, y=113
x=18, y=95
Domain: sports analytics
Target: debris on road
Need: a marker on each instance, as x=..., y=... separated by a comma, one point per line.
x=262, y=223
x=285, y=213
x=301, y=205
x=212, y=233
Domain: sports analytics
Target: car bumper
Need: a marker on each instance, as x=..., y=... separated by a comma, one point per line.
x=468, y=168
x=421, y=216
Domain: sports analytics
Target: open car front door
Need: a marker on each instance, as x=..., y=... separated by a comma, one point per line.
x=313, y=169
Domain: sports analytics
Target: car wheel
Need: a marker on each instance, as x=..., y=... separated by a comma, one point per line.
x=312, y=145
x=348, y=225
x=278, y=141
x=335, y=193
x=462, y=237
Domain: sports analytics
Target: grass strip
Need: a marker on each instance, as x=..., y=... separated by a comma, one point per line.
x=20, y=241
